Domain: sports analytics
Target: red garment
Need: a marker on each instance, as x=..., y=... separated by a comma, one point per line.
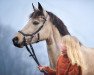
x=64, y=67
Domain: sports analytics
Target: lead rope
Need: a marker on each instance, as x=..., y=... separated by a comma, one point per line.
x=33, y=54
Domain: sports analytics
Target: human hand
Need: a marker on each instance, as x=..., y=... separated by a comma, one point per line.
x=41, y=68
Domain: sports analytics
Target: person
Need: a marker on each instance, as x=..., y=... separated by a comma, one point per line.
x=63, y=67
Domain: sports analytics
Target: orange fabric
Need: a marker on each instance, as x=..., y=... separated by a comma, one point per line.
x=64, y=67
x=50, y=71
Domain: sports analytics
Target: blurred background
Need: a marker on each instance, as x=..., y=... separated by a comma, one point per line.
x=78, y=16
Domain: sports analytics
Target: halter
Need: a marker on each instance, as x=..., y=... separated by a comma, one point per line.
x=25, y=35
x=31, y=49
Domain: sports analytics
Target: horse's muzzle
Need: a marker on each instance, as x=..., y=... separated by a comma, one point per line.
x=15, y=42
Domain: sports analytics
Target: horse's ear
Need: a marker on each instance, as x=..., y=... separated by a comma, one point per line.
x=40, y=7
x=34, y=7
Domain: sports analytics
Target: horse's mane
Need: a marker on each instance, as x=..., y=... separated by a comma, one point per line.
x=74, y=50
x=58, y=23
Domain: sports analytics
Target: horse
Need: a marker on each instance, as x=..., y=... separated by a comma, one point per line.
x=43, y=25
x=79, y=54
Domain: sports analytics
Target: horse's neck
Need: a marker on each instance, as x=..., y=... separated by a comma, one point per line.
x=52, y=49
x=87, y=55
x=54, y=45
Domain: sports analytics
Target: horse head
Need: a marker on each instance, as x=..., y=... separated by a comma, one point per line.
x=43, y=25
x=36, y=29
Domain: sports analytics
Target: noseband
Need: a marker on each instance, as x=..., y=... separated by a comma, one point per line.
x=31, y=49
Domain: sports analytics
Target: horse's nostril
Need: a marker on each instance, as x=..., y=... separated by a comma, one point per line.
x=15, y=40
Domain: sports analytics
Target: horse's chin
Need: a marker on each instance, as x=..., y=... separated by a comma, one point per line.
x=19, y=45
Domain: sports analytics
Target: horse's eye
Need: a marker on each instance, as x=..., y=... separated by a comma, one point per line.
x=35, y=22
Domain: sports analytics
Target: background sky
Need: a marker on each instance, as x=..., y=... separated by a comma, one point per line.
x=78, y=16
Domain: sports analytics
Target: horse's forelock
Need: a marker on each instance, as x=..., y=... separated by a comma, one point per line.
x=36, y=14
